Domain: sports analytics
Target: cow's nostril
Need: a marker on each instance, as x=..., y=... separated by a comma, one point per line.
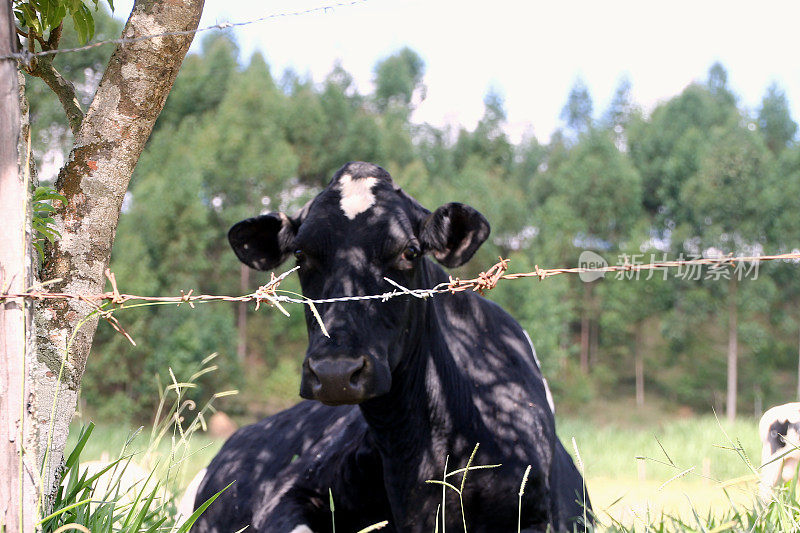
x=355, y=377
x=312, y=376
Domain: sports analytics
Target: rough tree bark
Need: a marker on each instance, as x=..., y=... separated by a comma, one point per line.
x=108, y=143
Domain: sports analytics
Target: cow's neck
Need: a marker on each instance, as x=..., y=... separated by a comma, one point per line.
x=422, y=421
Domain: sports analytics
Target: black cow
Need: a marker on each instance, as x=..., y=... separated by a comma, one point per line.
x=401, y=387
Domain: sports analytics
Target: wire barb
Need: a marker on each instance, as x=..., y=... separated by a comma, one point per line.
x=485, y=281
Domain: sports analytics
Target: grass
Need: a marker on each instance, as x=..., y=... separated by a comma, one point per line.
x=675, y=469
x=141, y=475
x=670, y=474
x=107, y=441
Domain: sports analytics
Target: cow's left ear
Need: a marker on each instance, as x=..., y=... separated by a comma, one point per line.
x=263, y=242
x=453, y=233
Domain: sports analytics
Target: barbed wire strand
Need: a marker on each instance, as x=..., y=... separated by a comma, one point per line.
x=269, y=293
x=26, y=56
x=483, y=282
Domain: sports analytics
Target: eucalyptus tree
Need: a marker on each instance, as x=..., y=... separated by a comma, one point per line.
x=667, y=148
x=593, y=204
x=782, y=197
x=775, y=119
x=725, y=208
x=168, y=240
x=398, y=79
x=577, y=112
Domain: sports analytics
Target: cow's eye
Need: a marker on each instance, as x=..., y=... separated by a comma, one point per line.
x=411, y=253
x=299, y=255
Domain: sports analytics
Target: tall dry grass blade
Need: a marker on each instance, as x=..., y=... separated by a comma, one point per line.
x=521, y=492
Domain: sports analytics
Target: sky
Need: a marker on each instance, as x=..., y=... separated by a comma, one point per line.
x=531, y=52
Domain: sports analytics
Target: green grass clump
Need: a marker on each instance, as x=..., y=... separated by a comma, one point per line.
x=104, y=499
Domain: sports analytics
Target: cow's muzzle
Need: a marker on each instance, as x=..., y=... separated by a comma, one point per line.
x=341, y=380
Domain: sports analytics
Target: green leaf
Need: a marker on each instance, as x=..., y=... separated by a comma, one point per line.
x=38, y=246
x=89, y=18
x=30, y=19
x=200, y=510
x=156, y=527
x=44, y=12
x=48, y=195
x=64, y=510
x=81, y=25
x=43, y=229
x=86, y=432
x=56, y=13
x=43, y=206
x=140, y=518
x=62, y=12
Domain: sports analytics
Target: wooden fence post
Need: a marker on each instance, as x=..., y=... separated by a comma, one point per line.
x=17, y=486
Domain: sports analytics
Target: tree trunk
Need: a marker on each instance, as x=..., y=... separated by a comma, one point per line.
x=244, y=284
x=585, y=324
x=94, y=180
x=17, y=471
x=638, y=364
x=733, y=340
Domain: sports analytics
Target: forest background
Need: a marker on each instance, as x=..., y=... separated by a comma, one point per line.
x=698, y=175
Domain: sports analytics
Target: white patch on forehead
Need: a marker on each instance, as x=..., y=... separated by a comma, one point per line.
x=301, y=529
x=356, y=194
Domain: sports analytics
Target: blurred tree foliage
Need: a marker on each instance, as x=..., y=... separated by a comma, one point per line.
x=697, y=175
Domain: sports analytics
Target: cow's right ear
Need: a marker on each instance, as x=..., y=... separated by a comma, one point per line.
x=263, y=242
x=453, y=233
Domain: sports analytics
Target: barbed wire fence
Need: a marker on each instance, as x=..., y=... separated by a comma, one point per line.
x=25, y=56
x=272, y=295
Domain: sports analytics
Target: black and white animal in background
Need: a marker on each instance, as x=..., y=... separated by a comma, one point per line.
x=779, y=430
x=400, y=386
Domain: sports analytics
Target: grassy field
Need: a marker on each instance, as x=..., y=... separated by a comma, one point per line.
x=635, y=468
x=636, y=471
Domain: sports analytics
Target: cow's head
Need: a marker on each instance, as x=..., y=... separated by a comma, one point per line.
x=361, y=229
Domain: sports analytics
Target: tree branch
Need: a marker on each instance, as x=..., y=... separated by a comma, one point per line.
x=43, y=68
x=55, y=37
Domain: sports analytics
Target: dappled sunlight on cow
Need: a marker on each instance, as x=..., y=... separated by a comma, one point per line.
x=398, y=387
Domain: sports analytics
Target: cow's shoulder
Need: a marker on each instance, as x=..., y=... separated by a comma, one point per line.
x=271, y=456
x=496, y=357
x=478, y=324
